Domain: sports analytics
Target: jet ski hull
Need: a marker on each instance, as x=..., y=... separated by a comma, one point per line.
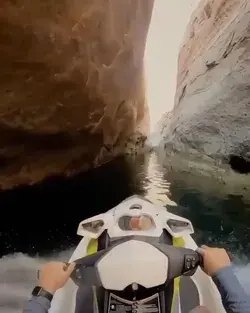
x=185, y=293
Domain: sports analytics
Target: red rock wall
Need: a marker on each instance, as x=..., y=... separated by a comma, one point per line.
x=71, y=84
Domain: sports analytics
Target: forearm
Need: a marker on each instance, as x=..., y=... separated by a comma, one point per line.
x=37, y=305
x=234, y=297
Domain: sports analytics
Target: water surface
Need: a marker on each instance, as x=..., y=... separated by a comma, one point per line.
x=40, y=222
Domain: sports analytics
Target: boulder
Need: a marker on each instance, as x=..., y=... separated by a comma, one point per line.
x=210, y=121
x=71, y=85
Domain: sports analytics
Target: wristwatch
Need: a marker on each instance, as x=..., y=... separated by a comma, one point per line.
x=40, y=292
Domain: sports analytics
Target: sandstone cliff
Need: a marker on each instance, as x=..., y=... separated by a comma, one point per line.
x=71, y=84
x=211, y=115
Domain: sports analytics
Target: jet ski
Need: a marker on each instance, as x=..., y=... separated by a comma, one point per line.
x=136, y=258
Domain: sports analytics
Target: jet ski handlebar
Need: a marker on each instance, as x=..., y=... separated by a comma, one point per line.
x=181, y=261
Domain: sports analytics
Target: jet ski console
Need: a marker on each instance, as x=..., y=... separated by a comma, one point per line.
x=136, y=273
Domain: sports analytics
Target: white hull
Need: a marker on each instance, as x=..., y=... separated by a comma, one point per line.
x=64, y=299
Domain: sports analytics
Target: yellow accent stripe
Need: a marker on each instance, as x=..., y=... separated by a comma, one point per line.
x=91, y=249
x=177, y=242
x=92, y=246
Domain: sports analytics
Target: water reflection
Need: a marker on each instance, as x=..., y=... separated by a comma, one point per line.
x=48, y=214
x=149, y=179
x=219, y=219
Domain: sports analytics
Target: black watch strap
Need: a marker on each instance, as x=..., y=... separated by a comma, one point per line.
x=40, y=292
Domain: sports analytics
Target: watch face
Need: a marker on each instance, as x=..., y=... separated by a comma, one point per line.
x=36, y=291
x=39, y=291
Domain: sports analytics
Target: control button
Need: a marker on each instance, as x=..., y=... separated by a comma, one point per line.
x=190, y=262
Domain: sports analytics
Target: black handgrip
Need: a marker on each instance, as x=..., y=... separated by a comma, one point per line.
x=90, y=260
x=200, y=259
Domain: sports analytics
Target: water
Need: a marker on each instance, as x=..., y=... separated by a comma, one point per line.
x=40, y=222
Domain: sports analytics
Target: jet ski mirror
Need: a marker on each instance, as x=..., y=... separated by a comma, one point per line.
x=179, y=227
x=92, y=228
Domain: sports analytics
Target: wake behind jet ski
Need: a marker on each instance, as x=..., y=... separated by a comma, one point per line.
x=137, y=257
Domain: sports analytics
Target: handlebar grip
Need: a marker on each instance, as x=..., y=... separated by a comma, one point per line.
x=201, y=260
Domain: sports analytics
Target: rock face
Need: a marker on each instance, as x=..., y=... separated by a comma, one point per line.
x=211, y=115
x=71, y=84
x=164, y=122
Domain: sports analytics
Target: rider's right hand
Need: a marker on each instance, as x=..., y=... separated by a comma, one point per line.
x=54, y=275
x=214, y=259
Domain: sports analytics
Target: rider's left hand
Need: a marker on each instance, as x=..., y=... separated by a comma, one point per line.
x=54, y=275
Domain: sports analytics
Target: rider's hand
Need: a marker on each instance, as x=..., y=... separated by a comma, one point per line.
x=214, y=259
x=54, y=275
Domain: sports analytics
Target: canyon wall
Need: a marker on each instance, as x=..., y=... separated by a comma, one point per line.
x=211, y=116
x=71, y=85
